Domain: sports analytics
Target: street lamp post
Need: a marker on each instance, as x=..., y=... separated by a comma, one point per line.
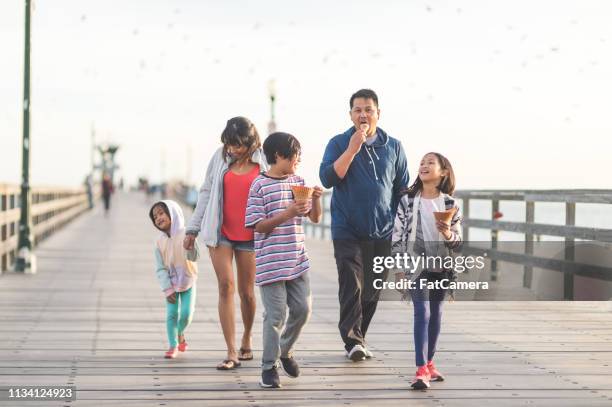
x=26, y=261
x=272, y=92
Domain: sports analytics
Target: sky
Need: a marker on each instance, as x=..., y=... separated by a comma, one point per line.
x=517, y=94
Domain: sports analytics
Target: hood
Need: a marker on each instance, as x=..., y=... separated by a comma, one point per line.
x=176, y=216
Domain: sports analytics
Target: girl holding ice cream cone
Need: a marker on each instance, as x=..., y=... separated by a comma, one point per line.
x=428, y=222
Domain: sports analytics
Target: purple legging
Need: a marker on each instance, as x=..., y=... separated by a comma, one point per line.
x=427, y=321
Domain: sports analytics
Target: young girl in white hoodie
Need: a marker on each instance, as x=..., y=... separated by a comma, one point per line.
x=176, y=271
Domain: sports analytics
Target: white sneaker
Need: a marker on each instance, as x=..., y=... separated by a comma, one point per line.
x=368, y=353
x=357, y=353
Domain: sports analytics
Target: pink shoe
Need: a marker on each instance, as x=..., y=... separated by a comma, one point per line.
x=421, y=379
x=171, y=353
x=435, y=375
x=182, y=347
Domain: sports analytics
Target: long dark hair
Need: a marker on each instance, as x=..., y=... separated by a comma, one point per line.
x=240, y=131
x=447, y=183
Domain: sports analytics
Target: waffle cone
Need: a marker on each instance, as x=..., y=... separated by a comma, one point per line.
x=301, y=193
x=445, y=216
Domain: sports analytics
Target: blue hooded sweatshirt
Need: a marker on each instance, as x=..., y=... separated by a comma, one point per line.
x=364, y=202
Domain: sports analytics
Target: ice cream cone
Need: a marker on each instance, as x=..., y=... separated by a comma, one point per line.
x=445, y=216
x=301, y=193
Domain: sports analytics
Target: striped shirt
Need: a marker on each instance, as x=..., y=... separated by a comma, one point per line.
x=281, y=254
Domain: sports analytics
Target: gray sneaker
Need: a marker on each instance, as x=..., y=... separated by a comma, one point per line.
x=270, y=379
x=290, y=367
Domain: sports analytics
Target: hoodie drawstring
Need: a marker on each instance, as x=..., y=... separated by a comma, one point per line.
x=372, y=161
x=374, y=151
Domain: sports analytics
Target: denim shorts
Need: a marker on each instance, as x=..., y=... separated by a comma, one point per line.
x=245, y=246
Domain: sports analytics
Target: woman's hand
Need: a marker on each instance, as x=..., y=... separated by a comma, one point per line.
x=444, y=228
x=317, y=192
x=188, y=242
x=171, y=298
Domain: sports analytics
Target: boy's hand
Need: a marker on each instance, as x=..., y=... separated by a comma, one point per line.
x=171, y=298
x=188, y=242
x=297, y=208
x=317, y=192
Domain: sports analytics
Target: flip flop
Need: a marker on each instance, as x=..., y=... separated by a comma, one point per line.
x=228, y=364
x=245, y=354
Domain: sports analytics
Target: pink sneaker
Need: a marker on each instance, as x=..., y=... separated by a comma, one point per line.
x=182, y=347
x=435, y=375
x=421, y=379
x=171, y=353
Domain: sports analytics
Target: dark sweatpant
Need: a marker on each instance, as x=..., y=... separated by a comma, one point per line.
x=358, y=298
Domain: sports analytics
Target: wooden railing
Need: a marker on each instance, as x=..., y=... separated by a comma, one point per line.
x=51, y=208
x=569, y=232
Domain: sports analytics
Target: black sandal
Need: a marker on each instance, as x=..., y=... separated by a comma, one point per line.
x=228, y=364
x=245, y=354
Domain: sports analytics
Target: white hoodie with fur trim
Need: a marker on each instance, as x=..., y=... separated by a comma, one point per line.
x=176, y=268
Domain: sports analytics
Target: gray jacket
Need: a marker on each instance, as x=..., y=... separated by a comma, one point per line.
x=208, y=214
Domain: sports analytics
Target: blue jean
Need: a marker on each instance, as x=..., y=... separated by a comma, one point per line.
x=427, y=319
x=246, y=246
x=179, y=314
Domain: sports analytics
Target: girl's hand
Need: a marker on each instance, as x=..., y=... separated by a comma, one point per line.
x=317, y=192
x=171, y=298
x=444, y=228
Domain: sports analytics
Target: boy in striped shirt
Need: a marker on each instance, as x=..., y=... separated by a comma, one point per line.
x=280, y=253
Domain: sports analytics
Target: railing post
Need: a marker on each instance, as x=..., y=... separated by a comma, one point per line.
x=494, y=236
x=568, y=278
x=529, y=219
x=466, y=216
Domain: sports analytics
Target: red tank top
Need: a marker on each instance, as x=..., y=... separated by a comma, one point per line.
x=235, y=195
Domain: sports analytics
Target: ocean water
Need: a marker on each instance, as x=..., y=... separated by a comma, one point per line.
x=550, y=213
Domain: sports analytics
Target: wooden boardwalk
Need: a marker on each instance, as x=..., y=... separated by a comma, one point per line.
x=94, y=317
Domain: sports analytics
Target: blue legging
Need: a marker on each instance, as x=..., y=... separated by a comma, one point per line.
x=179, y=314
x=427, y=321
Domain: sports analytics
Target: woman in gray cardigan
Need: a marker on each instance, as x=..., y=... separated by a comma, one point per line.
x=219, y=221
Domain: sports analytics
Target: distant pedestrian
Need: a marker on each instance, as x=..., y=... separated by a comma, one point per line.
x=89, y=190
x=107, y=192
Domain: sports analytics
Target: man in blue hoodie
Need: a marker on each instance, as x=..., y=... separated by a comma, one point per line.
x=367, y=170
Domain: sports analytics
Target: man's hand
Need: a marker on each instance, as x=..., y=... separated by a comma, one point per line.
x=357, y=139
x=188, y=242
x=297, y=208
x=171, y=298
